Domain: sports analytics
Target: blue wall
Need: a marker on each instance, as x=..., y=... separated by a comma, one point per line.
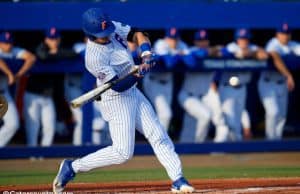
x=29, y=16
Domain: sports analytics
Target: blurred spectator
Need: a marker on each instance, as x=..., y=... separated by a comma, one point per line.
x=197, y=100
x=8, y=50
x=73, y=89
x=233, y=84
x=158, y=86
x=274, y=85
x=39, y=106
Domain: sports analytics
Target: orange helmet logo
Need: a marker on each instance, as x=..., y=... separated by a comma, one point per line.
x=285, y=26
x=7, y=35
x=52, y=31
x=103, y=25
x=243, y=32
x=173, y=31
x=202, y=33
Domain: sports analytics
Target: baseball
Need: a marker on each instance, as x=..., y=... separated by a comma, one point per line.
x=234, y=81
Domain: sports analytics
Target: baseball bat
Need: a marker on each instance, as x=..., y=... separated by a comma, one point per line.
x=95, y=93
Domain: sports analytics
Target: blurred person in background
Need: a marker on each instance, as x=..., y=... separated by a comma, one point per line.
x=195, y=98
x=274, y=85
x=8, y=51
x=73, y=89
x=233, y=84
x=158, y=86
x=39, y=108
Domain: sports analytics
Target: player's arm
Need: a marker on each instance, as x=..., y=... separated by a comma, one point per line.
x=29, y=60
x=141, y=38
x=281, y=67
x=5, y=69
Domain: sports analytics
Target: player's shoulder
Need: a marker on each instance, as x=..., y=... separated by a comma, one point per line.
x=120, y=24
x=121, y=28
x=273, y=42
x=232, y=47
x=293, y=43
x=95, y=51
x=160, y=43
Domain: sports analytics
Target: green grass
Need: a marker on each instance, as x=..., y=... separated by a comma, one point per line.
x=39, y=177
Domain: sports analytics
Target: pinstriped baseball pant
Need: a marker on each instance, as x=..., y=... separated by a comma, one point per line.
x=126, y=112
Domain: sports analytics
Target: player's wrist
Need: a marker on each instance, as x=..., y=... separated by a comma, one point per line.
x=145, y=49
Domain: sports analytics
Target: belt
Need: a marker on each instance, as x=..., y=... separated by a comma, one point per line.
x=266, y=79
x=236, y=86
x=2, y=91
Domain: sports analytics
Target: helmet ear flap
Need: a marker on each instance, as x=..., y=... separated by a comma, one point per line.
x=91, y=37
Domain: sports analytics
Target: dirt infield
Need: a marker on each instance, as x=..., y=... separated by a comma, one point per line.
x=209, y=186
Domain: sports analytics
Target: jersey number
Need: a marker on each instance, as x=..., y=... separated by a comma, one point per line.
x=120, y=40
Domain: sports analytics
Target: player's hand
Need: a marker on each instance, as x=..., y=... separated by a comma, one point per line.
x=149, y=59
x=11, y=79
x=261, y=54
x=143, y=69
x=290, y=83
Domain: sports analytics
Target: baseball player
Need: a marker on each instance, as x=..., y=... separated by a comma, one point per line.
x=107, y=57
x=9, y=51
x=197, y=101
x=39, y=108
x=233, y=84
x=159, y=86
x=274, y=85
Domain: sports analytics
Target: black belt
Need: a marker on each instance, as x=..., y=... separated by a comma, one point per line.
x=266, y=79
x=2, y=91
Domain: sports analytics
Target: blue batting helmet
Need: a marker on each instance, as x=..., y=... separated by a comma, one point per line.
x=6, y=37
x=201, y=35
x=96, y=23
x=284, y=28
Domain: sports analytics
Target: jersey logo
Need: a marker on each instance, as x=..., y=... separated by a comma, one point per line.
x=103, y=25
x=101, y=76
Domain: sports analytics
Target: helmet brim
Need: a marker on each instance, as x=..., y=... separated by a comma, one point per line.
x=108, y=31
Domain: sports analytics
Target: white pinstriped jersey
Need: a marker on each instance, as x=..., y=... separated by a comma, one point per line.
x=111, y=59
x=244, y=77
x=292, y=47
